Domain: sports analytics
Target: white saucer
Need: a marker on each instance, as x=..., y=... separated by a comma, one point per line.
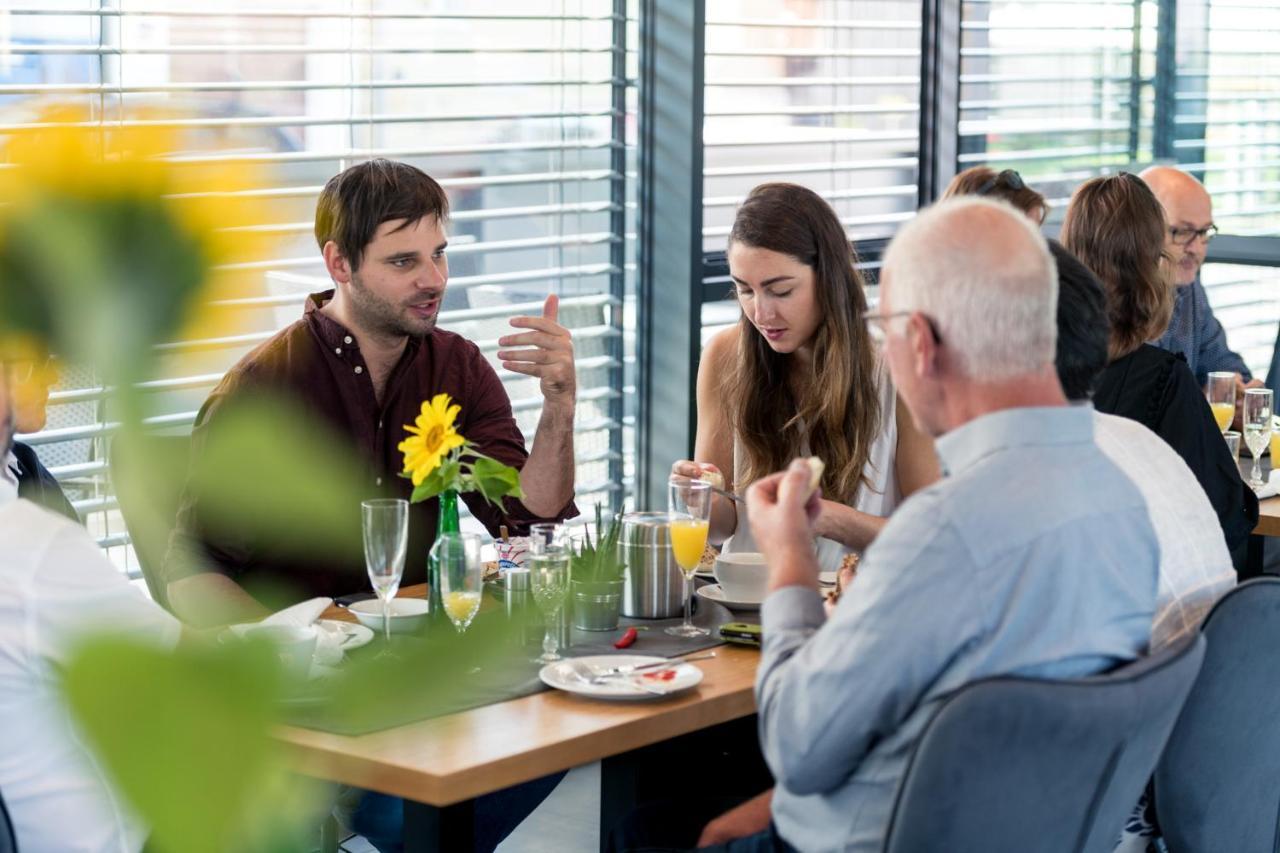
x=354, y=635
x=562, y=676
x=827, y=578
x=713, y=592
x=705, y=574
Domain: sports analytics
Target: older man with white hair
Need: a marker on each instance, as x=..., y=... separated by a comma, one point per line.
x=1033, y=556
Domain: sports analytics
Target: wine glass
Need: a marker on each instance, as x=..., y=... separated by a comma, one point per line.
x=385, y=523
x=1257, y=428
x=1221, y=392
x=548, y=565
x=460, y=577
x=688, y=513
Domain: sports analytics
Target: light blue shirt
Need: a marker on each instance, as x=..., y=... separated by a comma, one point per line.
x=1034, y=556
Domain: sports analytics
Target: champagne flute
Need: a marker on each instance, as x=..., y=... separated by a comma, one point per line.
x=688, y=512
x=549, y=577
x=1257, y=428
x=460, y=577
x=386, y=537
x=1221, y=392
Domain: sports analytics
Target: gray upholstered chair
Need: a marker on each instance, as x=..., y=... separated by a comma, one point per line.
x=1217, y=787
x=1009, y=765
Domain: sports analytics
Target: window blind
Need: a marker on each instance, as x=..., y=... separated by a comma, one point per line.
x=1227, y=116
x=824, y=94
x=1057, y=90
x=521, y=110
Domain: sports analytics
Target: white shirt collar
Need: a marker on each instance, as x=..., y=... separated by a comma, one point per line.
x=9, y=479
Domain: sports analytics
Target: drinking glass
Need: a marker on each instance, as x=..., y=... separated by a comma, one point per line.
x=1221, y=392
x=1257, y=428
x=386, y=536
x=548, y=565
x=688, y=513
x=1233, y=445
x=460, y=577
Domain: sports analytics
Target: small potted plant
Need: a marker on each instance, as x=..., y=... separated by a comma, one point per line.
x=595, y=572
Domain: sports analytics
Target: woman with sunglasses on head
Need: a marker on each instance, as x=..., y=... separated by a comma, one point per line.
x=799, y=376
x=1116, y=227
x=1007, y=186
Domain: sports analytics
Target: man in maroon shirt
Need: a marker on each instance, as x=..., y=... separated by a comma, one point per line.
x=362, y=359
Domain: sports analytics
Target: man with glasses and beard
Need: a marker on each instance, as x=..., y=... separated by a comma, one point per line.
x=1193, y=330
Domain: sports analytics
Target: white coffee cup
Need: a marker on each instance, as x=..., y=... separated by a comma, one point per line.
x=742, y=575
x=294, y=645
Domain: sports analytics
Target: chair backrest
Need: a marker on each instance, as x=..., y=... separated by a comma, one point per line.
x=1008, y=765
x=148, y=478
x=1217, y=787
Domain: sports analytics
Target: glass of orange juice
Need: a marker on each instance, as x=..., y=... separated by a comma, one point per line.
x=689, y=516
x=1221, y=392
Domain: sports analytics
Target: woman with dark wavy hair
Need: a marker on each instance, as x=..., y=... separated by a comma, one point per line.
x=799, y=376
x=1116, y=226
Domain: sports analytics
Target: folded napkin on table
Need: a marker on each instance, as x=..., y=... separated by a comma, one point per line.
x=329, y=640
x=1270, y=488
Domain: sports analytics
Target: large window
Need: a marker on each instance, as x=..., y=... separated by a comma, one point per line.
x=1227, y=115
x=824, y=93
x=1056, y=90
x=518, y=108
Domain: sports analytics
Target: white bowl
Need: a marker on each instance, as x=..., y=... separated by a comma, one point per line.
x=742, y=575
x=408, y=615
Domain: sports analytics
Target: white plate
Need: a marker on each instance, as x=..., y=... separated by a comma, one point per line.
x=705, y=574
x=713, y=592
x=561, y=676
x=827, y=578
x=354, y=636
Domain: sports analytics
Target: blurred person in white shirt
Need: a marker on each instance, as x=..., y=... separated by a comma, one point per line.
x=56, y=586
x=1195, y=566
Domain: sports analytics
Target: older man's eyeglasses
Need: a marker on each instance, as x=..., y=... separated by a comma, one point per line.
x=1185, y=236
x=877, y=324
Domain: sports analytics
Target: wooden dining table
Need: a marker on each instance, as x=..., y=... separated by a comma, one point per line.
x=440, y=765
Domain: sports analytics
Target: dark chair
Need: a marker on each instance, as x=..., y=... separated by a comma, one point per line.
x=8, y=841
x=1217, y=787
x=1008, y=765
x=148, y=477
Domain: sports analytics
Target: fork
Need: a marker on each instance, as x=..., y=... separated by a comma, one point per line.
x=587, y=675
x=627, y=669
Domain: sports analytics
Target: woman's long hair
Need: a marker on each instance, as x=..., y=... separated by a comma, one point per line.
x=838, y=407
x=1116, y=226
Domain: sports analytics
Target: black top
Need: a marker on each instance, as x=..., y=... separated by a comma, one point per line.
x=1156, y=389
x=37, y=485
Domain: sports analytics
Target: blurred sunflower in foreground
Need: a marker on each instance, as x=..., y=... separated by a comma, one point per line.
x=109, y=245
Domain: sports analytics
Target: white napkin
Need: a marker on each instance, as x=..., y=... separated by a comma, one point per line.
x=1271, y=488
x=329, y=638
x=300, y=615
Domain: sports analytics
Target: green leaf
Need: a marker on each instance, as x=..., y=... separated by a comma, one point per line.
x=494, y=480
x=186, y=738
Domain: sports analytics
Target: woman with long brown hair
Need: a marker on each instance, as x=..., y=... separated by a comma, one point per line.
x=1116, y=226
x=798, y=376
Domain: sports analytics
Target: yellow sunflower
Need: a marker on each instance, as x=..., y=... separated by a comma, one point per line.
x=431, y=438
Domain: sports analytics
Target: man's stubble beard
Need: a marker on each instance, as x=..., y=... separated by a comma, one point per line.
x=381, y=317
